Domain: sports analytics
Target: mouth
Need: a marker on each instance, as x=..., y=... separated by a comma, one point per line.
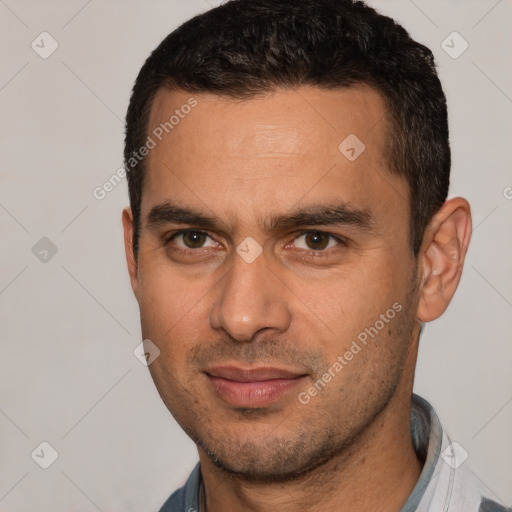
x=253, y=387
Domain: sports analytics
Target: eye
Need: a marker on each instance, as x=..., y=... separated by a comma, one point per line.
x=317, y=241
x=191, y=239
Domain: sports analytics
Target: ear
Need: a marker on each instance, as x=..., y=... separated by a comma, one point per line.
x=442, y=254
x=128, y=248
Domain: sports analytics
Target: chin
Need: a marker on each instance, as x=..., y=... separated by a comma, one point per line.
x=270, y=460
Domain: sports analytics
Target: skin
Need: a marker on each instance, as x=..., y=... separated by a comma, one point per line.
x=298, y=305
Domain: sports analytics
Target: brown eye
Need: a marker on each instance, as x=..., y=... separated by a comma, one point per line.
x=194, y=239
x=316, y=241
x=191, y=239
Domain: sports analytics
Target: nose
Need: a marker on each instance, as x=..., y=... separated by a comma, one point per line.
x=250, y=298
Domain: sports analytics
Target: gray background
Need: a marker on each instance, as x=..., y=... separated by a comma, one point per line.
x=69, y=324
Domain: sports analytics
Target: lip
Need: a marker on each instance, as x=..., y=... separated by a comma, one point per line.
x=253, y=387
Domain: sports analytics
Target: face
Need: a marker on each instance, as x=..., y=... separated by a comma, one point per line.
x=275, y=273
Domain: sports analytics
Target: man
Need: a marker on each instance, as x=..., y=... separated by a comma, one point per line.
x=289, y=234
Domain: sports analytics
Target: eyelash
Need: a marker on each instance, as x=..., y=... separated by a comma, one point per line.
x=323, y=253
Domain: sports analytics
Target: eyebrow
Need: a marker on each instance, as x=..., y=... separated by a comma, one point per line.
x=340, y=213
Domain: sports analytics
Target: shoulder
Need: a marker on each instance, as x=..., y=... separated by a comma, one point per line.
x=186, y=498
x=488, y=505
x=175, y=502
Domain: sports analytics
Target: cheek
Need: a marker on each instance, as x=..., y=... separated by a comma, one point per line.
x=360, y=316
x=171, y=309
x=167, y=304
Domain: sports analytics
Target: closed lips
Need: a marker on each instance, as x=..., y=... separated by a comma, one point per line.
x=252, y=375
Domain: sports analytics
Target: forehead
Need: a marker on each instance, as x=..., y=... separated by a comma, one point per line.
x=269, y=121
x=270, y=152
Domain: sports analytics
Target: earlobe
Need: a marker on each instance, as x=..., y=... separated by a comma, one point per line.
x=442, y=257
x=127, y=219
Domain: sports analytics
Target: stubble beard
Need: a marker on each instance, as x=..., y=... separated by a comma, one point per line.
x=312, y=443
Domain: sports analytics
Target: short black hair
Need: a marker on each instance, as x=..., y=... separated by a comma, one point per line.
x=246, y=48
